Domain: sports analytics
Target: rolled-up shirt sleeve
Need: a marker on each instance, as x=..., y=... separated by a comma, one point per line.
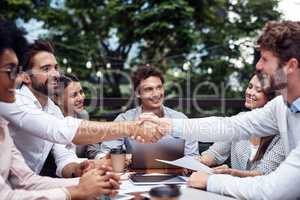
x=219, y=151
x=39, y=123
x=64, y=156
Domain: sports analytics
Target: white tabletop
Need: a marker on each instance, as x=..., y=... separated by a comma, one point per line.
x=195, y=194
x=128, y=187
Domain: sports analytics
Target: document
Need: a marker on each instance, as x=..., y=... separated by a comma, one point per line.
x=189, y=162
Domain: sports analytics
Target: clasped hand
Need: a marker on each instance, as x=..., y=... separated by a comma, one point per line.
x=150, y=128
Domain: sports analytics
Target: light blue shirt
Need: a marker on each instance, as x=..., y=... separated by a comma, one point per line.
x=295, y=106
x=275, y=118
x=99, y=150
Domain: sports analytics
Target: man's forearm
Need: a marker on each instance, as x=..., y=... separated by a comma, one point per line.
x=93, y=132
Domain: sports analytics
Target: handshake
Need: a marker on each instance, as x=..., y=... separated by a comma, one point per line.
x=149, y=128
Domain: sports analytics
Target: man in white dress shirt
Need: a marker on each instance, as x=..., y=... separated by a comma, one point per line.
x=279, y=46
x=17, y=180
x=38, y=126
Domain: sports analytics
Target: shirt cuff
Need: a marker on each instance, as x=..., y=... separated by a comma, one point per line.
x=177, y=127
x=72, y=127
x=214, y=183
x=60, y=166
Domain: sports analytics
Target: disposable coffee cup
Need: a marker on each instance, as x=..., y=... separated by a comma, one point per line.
x=118, y=157
x=168, y=192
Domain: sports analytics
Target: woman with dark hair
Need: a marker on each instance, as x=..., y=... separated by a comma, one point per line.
x=71, y=97
x=70, y=100
x=257, y=156
x=17, y=180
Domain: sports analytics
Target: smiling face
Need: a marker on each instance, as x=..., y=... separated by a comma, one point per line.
x=73, y=99
x=45, y=73
x=151, y=92
x=254, y=96
x=8, y=60
x=268, y=65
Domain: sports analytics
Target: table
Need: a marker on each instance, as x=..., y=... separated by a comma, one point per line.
x=187, y=192
x=195, y=194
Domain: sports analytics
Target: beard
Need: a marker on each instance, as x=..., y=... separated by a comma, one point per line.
x=279, y=80
x=42, y=87
x=273, y=83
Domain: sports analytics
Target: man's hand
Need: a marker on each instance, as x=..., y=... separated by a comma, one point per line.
x=198, y=180
x=164, y=124
x=146, y=132
x=88, y=165
x=94, y=183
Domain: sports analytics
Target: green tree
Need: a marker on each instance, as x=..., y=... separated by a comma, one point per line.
x=166, y=33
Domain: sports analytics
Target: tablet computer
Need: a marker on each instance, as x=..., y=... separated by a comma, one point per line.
x=154, y=179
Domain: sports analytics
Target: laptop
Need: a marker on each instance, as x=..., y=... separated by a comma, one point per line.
x=144, y=155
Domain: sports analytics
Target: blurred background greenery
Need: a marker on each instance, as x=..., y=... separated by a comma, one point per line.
x=208, y=42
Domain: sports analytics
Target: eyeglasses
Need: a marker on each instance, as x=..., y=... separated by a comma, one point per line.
x=12, y=71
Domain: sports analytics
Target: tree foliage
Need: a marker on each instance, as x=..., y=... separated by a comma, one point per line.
x=165, y=33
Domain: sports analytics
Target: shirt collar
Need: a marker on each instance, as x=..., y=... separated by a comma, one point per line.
x=139, y=110
x=295, y=106
x=24, y=90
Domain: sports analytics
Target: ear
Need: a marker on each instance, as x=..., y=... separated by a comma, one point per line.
x=26, y=78
x=137, y=93
x=292, y=65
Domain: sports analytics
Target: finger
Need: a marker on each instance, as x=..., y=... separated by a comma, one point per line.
x=189, y=183
x=106, y=184
x=133, y=138
x=221, y=171
x=105, y=168
x=114, y=184
x=114, y=176
x=113, y=193
x=106, y=191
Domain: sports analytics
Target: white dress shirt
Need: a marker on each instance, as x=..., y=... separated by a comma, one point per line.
x=17, y=181
x=35, y=129
x=274, y=118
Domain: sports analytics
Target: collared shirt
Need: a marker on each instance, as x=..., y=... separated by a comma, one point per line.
x=18, y=181
x=273, y=119
x=35, y=129
x=295, y=106
x=99, y=150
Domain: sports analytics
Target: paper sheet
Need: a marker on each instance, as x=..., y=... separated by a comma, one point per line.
x=188, y=162
x=128, y=187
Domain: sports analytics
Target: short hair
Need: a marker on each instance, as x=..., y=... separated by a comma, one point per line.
x=33, y=49
x=66, y=79
x=143, y=73
x=282, y=39
x=13, y=38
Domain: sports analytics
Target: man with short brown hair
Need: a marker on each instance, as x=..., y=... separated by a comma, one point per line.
x=279, y=45
x=38, y=125
x=148, y=87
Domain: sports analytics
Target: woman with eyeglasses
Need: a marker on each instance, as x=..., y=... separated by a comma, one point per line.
x=256, y=157
x=17, y=180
